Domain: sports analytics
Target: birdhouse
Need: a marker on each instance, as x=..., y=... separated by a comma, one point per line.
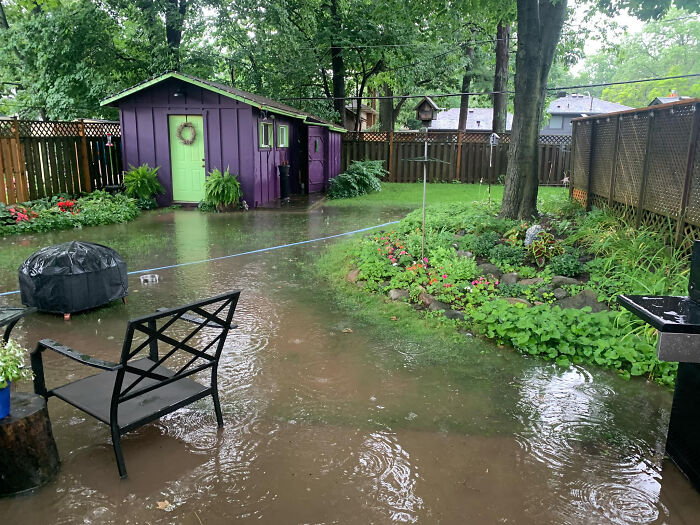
x=426, y=111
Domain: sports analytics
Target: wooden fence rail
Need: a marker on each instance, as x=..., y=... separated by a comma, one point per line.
x=43, y=158
x=644, y=164
x=459, y=156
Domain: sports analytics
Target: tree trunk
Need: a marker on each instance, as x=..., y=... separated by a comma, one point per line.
x=466, y=84
x=338, y=65
x=500, y=78
x=175, y=11
x=539, y=28
x=386, y=109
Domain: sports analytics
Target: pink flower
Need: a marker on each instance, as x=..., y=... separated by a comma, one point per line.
x=444, y=276
x=425, y=259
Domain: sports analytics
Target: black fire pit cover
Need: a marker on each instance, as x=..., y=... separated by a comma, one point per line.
x=72, y=277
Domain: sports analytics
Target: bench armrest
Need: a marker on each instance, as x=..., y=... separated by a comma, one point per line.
x=75, y=355
x=199, y=320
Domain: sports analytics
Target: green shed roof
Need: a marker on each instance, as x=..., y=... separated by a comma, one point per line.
x=260, y=102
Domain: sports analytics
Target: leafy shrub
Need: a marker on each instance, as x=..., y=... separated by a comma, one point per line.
x=360, y=178
x=567, y=264
x=482, y=244
x=544, y=247
x=222, y=189
x=94, y=209
x=506, y=256
x=572, y=336
x=510, y=290
x=142, y=184
x=12, y=363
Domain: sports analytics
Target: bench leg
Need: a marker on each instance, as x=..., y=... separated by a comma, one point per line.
x=116, y=443
x=217, y=408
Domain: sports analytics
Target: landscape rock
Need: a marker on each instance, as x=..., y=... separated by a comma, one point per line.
x=465, y=253
x=398, y=295
x=426, y=298
x=559, y=293
x=583, y=299
x=461, y=233
x=352, y=276
x=531, y=233
x=489, y=269
x=538, y=303
x=454, y=314
x=438, y=305
x=361, y=284
x=560, y=280
x=509, y=278
x=530, y=282
x=517, y=300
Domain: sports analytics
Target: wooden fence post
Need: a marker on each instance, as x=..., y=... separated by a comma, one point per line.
x=572, y=179
x=645, y=169
x=690, y=163
x=458, y=173
x=391, y=156
x=84, y=164
x=591, y=149
x=21, y=186
x=613, y=169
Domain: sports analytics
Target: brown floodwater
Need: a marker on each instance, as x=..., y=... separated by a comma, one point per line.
x=323, y=426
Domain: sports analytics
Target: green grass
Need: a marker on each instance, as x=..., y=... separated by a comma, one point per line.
x=410, y=195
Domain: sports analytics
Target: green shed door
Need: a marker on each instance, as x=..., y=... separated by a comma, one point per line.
x=187, y=160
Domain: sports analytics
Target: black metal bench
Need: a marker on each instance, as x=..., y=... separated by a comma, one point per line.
x=138, y=389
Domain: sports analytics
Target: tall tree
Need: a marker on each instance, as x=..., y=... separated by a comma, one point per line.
x=500, y=78
x=539, y=28
x=466, y=84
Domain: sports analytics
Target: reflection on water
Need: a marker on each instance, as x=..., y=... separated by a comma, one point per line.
x=323, y=426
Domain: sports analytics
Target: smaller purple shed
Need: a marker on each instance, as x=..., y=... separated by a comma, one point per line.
x=189, y=126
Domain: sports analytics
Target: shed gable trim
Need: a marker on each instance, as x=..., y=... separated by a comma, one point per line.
x=223, y=92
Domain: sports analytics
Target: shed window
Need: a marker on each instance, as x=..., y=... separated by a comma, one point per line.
x=282, y=136
x=556, y=122
x=265, y=134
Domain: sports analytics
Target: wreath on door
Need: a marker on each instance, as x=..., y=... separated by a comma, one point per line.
x=193, y=133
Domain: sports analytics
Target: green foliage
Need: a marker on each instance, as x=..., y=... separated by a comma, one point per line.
x=12, y=365
x=94, y=209
x=482, y=244
x=572, y=337
x=142, y=184
x=544, y=247
x=222, y=189
x=506, y=256
x=567, y=264
x=361, y=177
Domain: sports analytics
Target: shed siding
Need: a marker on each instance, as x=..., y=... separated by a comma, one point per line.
x=334, y=144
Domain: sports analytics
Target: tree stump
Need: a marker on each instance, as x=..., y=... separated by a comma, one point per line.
x=28, y=455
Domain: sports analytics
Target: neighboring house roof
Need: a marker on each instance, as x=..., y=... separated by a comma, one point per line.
x=478, y=119
x=578, y=104
x=363, y=108
x=260, y=102
x=666, y=100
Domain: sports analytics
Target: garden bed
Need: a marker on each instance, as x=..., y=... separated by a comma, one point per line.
x=63, y=212
x=551, y=295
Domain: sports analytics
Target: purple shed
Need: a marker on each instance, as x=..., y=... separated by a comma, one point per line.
x=189, y=126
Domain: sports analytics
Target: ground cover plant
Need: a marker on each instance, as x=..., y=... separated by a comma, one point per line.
x=62, y=212
x=554, y=298
x=361, y=178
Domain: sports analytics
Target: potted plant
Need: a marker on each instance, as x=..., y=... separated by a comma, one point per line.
x=11, y=369
x=222, y=190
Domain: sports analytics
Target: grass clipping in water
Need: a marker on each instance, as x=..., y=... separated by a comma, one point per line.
x=535, y=310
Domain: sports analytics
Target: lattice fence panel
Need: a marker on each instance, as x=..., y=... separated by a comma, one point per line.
x=6, y=129
x=630, y=158
x=559, y=140
x=603, y=149
x=582, y=149
x=668, y=157
x=692, y=210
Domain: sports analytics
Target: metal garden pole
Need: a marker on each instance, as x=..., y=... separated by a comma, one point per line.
x=425, y=177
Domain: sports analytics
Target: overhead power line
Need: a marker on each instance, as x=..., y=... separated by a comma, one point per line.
x=474, y=93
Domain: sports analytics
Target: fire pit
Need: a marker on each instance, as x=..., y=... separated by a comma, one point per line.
x=678, y=321
x=72, y=277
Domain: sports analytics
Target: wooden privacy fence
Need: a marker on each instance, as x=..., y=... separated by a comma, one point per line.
x=644, y=164
x=464, y=156
x=43, y=158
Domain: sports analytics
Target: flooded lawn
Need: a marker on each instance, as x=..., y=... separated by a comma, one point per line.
x=323, y=426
